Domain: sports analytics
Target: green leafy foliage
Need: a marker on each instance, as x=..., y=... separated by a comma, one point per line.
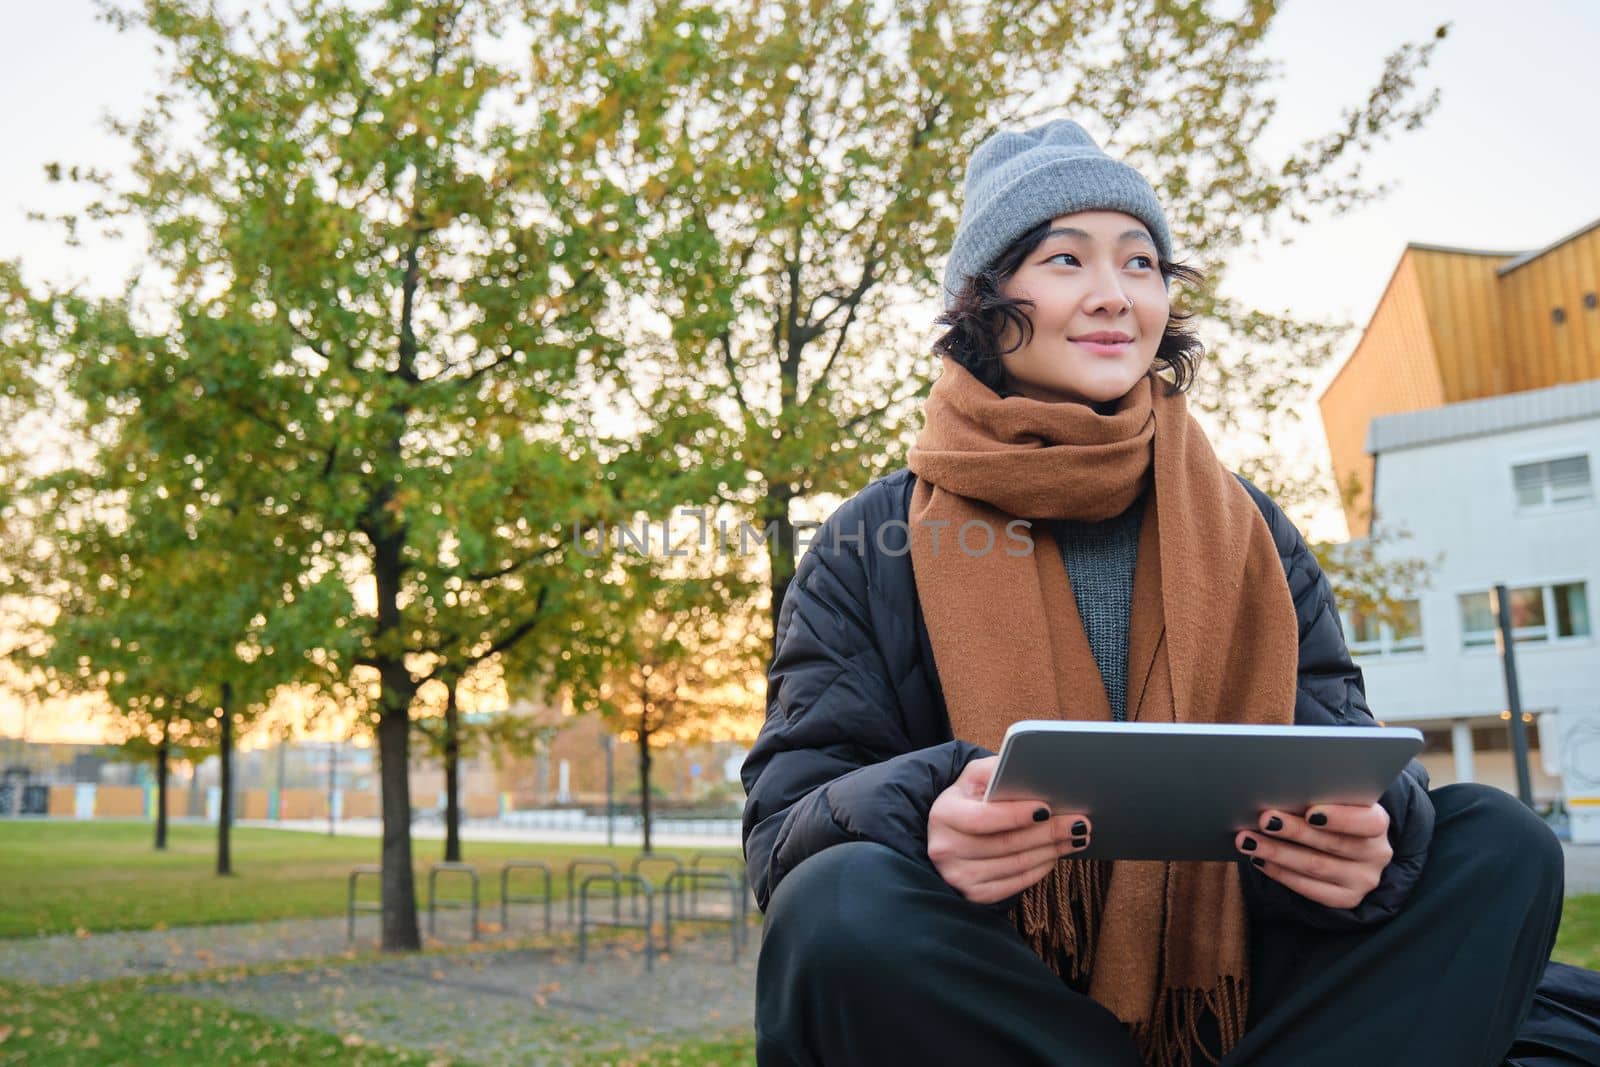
x=345, y=407
x=786, y=173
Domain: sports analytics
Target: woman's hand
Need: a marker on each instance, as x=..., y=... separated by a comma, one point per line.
x=1335, y=855
x=991, y=851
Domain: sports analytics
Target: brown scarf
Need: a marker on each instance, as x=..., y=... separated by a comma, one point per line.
x=1212, y=638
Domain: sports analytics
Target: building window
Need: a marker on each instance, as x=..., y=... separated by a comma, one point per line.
x=1539, y=613
x=1552, y=483
x=1438, y=741
x=1367, y=635
x=1571, y=609
x=1405, y=630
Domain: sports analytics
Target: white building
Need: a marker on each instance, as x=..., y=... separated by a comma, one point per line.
x=1495, y=490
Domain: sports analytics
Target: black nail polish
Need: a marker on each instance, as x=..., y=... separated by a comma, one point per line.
x=1258, y=861
x=1079, y=842
x=1318, y=818
x=1249, y=844
x=1274, y=824
x=1080, y=828
x=1041, y=814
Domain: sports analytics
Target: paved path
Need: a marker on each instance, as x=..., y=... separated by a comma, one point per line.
x=65, y=959
x=517, y=1006
x=1583, y=869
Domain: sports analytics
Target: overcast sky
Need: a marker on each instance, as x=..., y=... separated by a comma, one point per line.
x=1509, y=160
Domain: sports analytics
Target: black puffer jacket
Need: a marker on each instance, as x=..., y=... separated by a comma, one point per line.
x=857, y=742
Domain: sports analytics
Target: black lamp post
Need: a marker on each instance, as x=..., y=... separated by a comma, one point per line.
x=1508, y=660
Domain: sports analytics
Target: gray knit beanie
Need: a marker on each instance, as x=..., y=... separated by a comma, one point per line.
x=1017, y=180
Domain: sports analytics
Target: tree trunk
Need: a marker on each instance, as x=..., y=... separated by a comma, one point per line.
x=385, y=529
x=452, y=781
x=644, y=782
x=400, y=932
x=780, y=548
x=396, y=689
x=225, y=801
x=161, y=790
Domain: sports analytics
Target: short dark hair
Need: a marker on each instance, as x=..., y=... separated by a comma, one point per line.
x=977, y=318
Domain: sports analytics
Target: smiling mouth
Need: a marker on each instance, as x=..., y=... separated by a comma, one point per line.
x=1103, y=348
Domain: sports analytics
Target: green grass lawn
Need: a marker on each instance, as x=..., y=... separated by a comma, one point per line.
x=59, y=877
x=1579, y=939
x=112, y=1023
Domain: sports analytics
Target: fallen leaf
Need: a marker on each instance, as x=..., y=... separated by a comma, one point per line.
x=5, y=1032
x=80, y=933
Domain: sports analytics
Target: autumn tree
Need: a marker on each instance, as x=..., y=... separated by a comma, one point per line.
x=451, y=739
x=159, y=731
x=368, y=303
x=793, y=170
x=679, y=652
x=157, y=601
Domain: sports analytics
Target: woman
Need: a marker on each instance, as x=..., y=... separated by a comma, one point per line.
x=1065, y=543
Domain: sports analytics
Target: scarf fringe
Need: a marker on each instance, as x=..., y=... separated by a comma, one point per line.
x=1173, y=1036
x=1059, y=918
x=1059, y=915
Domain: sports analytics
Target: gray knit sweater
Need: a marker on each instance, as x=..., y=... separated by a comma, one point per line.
x=1099, y=558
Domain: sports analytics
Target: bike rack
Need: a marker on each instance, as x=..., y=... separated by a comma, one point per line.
x=434, y=902
x=721, y=878
x=650, y=857
x=572, y=870
x=506, y=899
x=736, y=866
x=351, y=907
x=615, y=880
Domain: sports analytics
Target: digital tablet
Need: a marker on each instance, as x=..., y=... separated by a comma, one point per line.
x=1182, y=791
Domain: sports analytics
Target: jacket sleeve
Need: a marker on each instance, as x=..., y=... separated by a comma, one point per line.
x=1331, y=692
x=835, y=761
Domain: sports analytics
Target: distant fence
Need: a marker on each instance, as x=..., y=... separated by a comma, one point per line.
x=95, y=801
x=90, y=800
x=719, y=824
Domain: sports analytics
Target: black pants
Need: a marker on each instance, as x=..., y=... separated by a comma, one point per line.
x=871, y=958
